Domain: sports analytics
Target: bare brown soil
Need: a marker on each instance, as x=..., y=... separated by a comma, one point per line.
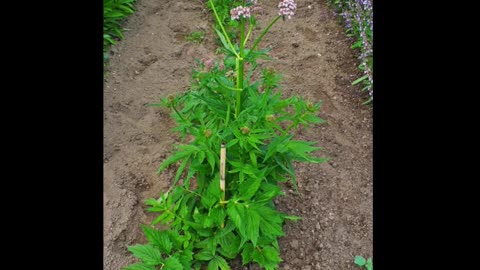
x=311, y=50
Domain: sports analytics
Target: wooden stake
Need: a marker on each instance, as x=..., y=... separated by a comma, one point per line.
x=223, y=154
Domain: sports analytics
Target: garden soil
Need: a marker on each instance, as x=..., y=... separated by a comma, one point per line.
x=312, y=51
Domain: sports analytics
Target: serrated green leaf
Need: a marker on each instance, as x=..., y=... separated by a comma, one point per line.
x=225, y=81
x=272, y=255
x=224, y=231
x=314, y=119
x=252, y=225
x=270, y=222
x=247, y=253
x=113, y=14
x=159, y=239
x=248, y=188
x=357, y=44
x=211, y=160
x=139, y=266
x=229, y=245
x=200, y=156
x=268, y=257
x=301, y=147
x=224, y=41
x=276, y=146
x=176, y=238
x=236, y=212
x=152, y=202
x=147, y=253
x=209, y=243
x=218, y=263
x=360, y=261
x=213, y=193
x=218, y=215
x=204, y=255
x=269, y=191
x=186, y=258
x=253, y=158
x=232, y=143
x=180, y=170
x=185, y=151
x=172, y=263
x=165, y=217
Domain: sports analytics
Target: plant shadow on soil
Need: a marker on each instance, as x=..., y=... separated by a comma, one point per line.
x=313, y=54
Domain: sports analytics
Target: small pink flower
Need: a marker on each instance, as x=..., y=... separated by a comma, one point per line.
x=208, y=63
x=235, y=13
x=287, y=8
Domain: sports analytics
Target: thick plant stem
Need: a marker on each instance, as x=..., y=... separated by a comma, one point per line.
x=239, y=68
x=223, y=157
x=263, y=34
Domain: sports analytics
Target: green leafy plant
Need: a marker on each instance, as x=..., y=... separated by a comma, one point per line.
x=362, y=262
x=114, y=11
x=195, y=37
x=238, y=146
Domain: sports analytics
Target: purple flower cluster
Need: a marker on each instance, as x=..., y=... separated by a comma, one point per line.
x=358, y=16
x=287, y=8
x=235, y=13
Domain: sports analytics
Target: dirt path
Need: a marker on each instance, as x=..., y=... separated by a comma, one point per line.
x=312, y=52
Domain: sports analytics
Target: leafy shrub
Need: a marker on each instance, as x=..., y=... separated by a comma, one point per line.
x=238, y=147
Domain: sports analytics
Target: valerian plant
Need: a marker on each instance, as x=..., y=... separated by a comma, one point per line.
x=216, y=212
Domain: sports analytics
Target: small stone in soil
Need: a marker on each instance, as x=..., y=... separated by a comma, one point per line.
x=294, y=244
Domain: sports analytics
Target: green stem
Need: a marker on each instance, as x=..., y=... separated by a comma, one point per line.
x=248, y=34
x=223, y=29
x=227, y=87
x=175, y=109
x=263, y=33
x=239, y=68
x=242, y=36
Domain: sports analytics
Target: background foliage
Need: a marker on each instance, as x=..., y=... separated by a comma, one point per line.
x=114, y=11
x=357, y=16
